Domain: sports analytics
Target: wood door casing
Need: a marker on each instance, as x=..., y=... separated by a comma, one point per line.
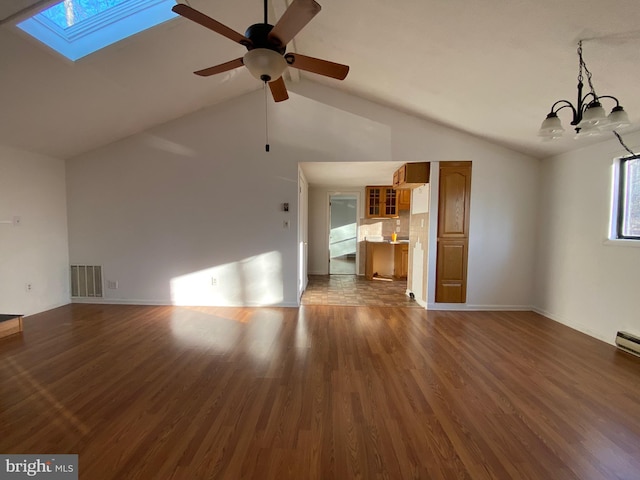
x=454, y=201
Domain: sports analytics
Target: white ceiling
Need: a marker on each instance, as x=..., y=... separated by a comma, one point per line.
x=488, y=67
x=349, y=174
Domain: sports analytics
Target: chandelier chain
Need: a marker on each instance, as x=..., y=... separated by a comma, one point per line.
x=581, y=61
x=583, y=65
x=633, y=154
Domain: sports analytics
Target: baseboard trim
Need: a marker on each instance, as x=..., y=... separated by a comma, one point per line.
x=118, y=301
x=471, y=307
x=422, y=303
x=575, y=326
x=46, y=308
x=161, y=303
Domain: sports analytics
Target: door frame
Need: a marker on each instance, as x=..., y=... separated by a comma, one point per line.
x=354, y=193
x=303, y=233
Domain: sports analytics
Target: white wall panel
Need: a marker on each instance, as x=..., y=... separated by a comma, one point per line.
x=32, y=187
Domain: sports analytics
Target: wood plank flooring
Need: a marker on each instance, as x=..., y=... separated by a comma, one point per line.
x=318, y=392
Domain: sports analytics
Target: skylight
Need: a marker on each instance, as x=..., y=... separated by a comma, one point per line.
x=76, y=28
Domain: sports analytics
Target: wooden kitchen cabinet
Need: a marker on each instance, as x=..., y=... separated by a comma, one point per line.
x=401, y=261
x=404, y=199
x=412, y=175
x=382, y=201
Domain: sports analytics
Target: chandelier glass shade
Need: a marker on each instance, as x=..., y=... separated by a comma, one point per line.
x=589, y=116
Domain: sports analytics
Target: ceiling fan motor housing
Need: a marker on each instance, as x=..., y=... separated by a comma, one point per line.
x=258, y=33
x=266, y=46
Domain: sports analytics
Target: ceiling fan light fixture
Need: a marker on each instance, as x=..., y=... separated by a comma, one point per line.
x=265, y=64
x=266, y=45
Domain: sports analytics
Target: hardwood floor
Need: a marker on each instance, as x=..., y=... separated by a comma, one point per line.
x=318, y=392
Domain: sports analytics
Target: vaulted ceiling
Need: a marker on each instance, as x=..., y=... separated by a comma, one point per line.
x=491, y=68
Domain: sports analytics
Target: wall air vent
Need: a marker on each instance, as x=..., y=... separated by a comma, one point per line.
x=628, y=342
x=86, y=280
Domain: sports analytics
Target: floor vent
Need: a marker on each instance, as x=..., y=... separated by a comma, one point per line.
x=86, y=281
x=629, y=343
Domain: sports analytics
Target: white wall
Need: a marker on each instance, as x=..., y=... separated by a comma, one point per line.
x=169, y=211
x=584, y=281
x=504, y=198
x=198, y=197
x=32, y=187
x=502, y=234
x=419, y=240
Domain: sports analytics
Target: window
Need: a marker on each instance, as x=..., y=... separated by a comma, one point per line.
x=76, y=28
x=628, y=203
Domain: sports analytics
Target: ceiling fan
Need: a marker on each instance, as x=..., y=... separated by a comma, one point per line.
x=266, y=44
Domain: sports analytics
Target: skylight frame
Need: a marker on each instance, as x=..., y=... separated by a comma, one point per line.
x=99, y=31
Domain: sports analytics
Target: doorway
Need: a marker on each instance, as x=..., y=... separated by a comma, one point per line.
x=343, y=233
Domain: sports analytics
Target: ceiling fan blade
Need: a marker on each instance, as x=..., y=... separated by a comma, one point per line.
x=278, y=90
x=195, y=16
x=316, y=65
x=223, y=67
x=299, y=13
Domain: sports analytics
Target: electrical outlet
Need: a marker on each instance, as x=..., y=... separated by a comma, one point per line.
x=28, y=287
x=112, y=284
x=214, y=282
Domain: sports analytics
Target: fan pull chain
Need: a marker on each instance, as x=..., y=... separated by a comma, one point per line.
x=266, y=119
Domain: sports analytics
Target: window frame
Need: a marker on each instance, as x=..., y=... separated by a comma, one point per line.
x=99, y=31
x=621, y=195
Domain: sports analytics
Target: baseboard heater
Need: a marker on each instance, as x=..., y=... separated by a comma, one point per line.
x=628, y=342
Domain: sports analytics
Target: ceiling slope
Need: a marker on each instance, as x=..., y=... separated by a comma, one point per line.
x=490, y=68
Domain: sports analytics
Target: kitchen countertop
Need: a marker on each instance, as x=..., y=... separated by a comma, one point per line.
x=397, y=242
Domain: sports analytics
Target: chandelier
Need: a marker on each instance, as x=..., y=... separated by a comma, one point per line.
x=589, y=117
